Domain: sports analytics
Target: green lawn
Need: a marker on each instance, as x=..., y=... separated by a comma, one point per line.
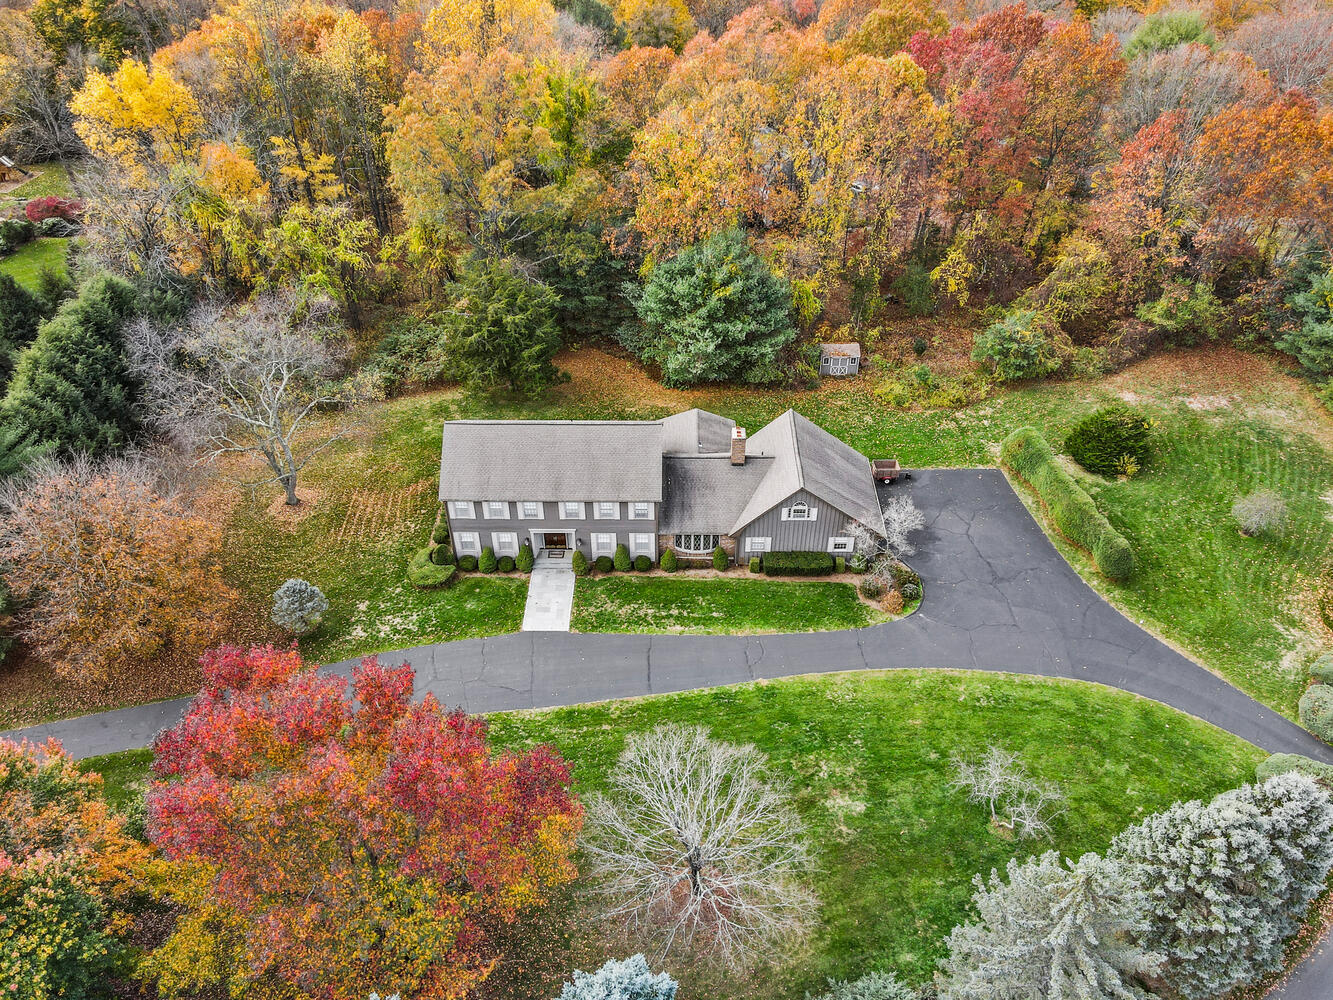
x=867, y=758
x=52, y=179
x=744, y=606
x=1243, y=607
x=26, y=263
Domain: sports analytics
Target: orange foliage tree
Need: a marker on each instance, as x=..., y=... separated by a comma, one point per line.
x=106, y=568
x=373, y=845
x=67, y=866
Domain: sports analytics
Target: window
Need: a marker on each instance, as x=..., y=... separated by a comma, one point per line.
x=505, y=543
x=571, y=510
x=603, y=544
x=754, y=544
x=461, y=509
x=840, y=546
x=800, y=511
x=696, y=543
x=642, y=545
x=530, y=510
x=606, y=510
x=640, y=511
x=495, y=509
x=468, y=542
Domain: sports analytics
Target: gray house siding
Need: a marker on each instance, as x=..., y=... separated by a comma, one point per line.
x=582, y=528
x=794, y=536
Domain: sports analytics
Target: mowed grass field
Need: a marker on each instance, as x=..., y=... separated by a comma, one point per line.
x=1227, y=424
x=867, y=761
x=710, y=606
x=29, y=260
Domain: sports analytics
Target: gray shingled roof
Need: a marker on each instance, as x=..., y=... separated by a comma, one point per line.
x=805, y=456
x=551, y=460
x=852, y=350
x=707, y=493
x=696, y=432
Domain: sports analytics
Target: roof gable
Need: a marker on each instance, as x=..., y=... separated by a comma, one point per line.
x=696, y=432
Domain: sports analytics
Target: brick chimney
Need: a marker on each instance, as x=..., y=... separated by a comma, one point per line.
x=738, y=446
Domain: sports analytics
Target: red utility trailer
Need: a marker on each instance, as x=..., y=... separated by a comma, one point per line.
x=886, y=470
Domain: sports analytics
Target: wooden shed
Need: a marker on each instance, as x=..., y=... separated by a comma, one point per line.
x=10, y=171
x=839, y=359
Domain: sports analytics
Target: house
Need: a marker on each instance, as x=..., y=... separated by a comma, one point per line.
x=11, y=171
x=689, y=482
x=839, y=359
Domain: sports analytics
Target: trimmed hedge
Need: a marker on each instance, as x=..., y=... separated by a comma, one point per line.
x=578, y=562
x=525, y=559
x=1027, y=455
x=1322, y=669
x=488, y=563
x=720, y=558
x=668, y=562
x=755, y=565
x=442, y=555
x=467, y=564
x=441, y=533
x=798, y=564
x=506, y=564
x=604, y=564
x=1316, y=710
x=1281, y=763
x=424, y=574
x=840, y=564
x=643, y=564
x=1103, y=440
x=621, y=559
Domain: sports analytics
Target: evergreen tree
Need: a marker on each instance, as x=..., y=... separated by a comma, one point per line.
x=20, y=313
x=18, y=447
x=715, y=313
x=627, y=980
x=1311, y=343
x=71, y=386
x=1227, y=882
x=503, y=330
x=1057, y=931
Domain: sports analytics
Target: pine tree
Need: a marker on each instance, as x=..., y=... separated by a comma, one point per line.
x=20, y=314
x=71, y=387
x=716, y=313
x=1227, y=882
x=1057, y=931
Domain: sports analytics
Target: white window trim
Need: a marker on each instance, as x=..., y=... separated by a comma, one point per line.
x=840, y=545
x=758, y=543
x=505, y=543
x=642, y=544
x=570, y=503
x=486, y=506
x=811, y=513
x=462, y=510
x=467, y=543
x=597, y=510
x=540, y=515
x=647, y=516
x=684, y=549
x=603, y=543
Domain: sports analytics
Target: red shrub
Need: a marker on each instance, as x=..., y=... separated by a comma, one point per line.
x=51, y=207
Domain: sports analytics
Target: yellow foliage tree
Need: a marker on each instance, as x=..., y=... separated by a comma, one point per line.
x=138, y=117
x=662, y=23
x=483, y=26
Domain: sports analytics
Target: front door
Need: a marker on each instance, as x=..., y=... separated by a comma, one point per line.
x=555, y=540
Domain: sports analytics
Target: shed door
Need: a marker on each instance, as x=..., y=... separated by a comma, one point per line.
x=839, y=365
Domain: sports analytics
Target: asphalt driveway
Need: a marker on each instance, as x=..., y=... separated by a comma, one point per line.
x=998, y=597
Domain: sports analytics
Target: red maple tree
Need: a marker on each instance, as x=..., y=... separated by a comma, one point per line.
x=363, y=845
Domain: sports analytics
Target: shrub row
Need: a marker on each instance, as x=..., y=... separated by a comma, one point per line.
x=620, y=562
x=1028, y=455
x=798, y=564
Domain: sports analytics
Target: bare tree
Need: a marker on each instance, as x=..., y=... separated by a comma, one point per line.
x=1017, y=801
x=698, y=848
x=246, y=380
x=1293, y=46
x=901, y=518
x=1188, y=78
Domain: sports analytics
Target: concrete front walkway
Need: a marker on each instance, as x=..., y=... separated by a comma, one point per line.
x=550, y=595
x=999, y=596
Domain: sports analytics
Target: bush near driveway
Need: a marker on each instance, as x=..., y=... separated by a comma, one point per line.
x=1028, y=455
x=1111, y=441
x=1316, y=708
